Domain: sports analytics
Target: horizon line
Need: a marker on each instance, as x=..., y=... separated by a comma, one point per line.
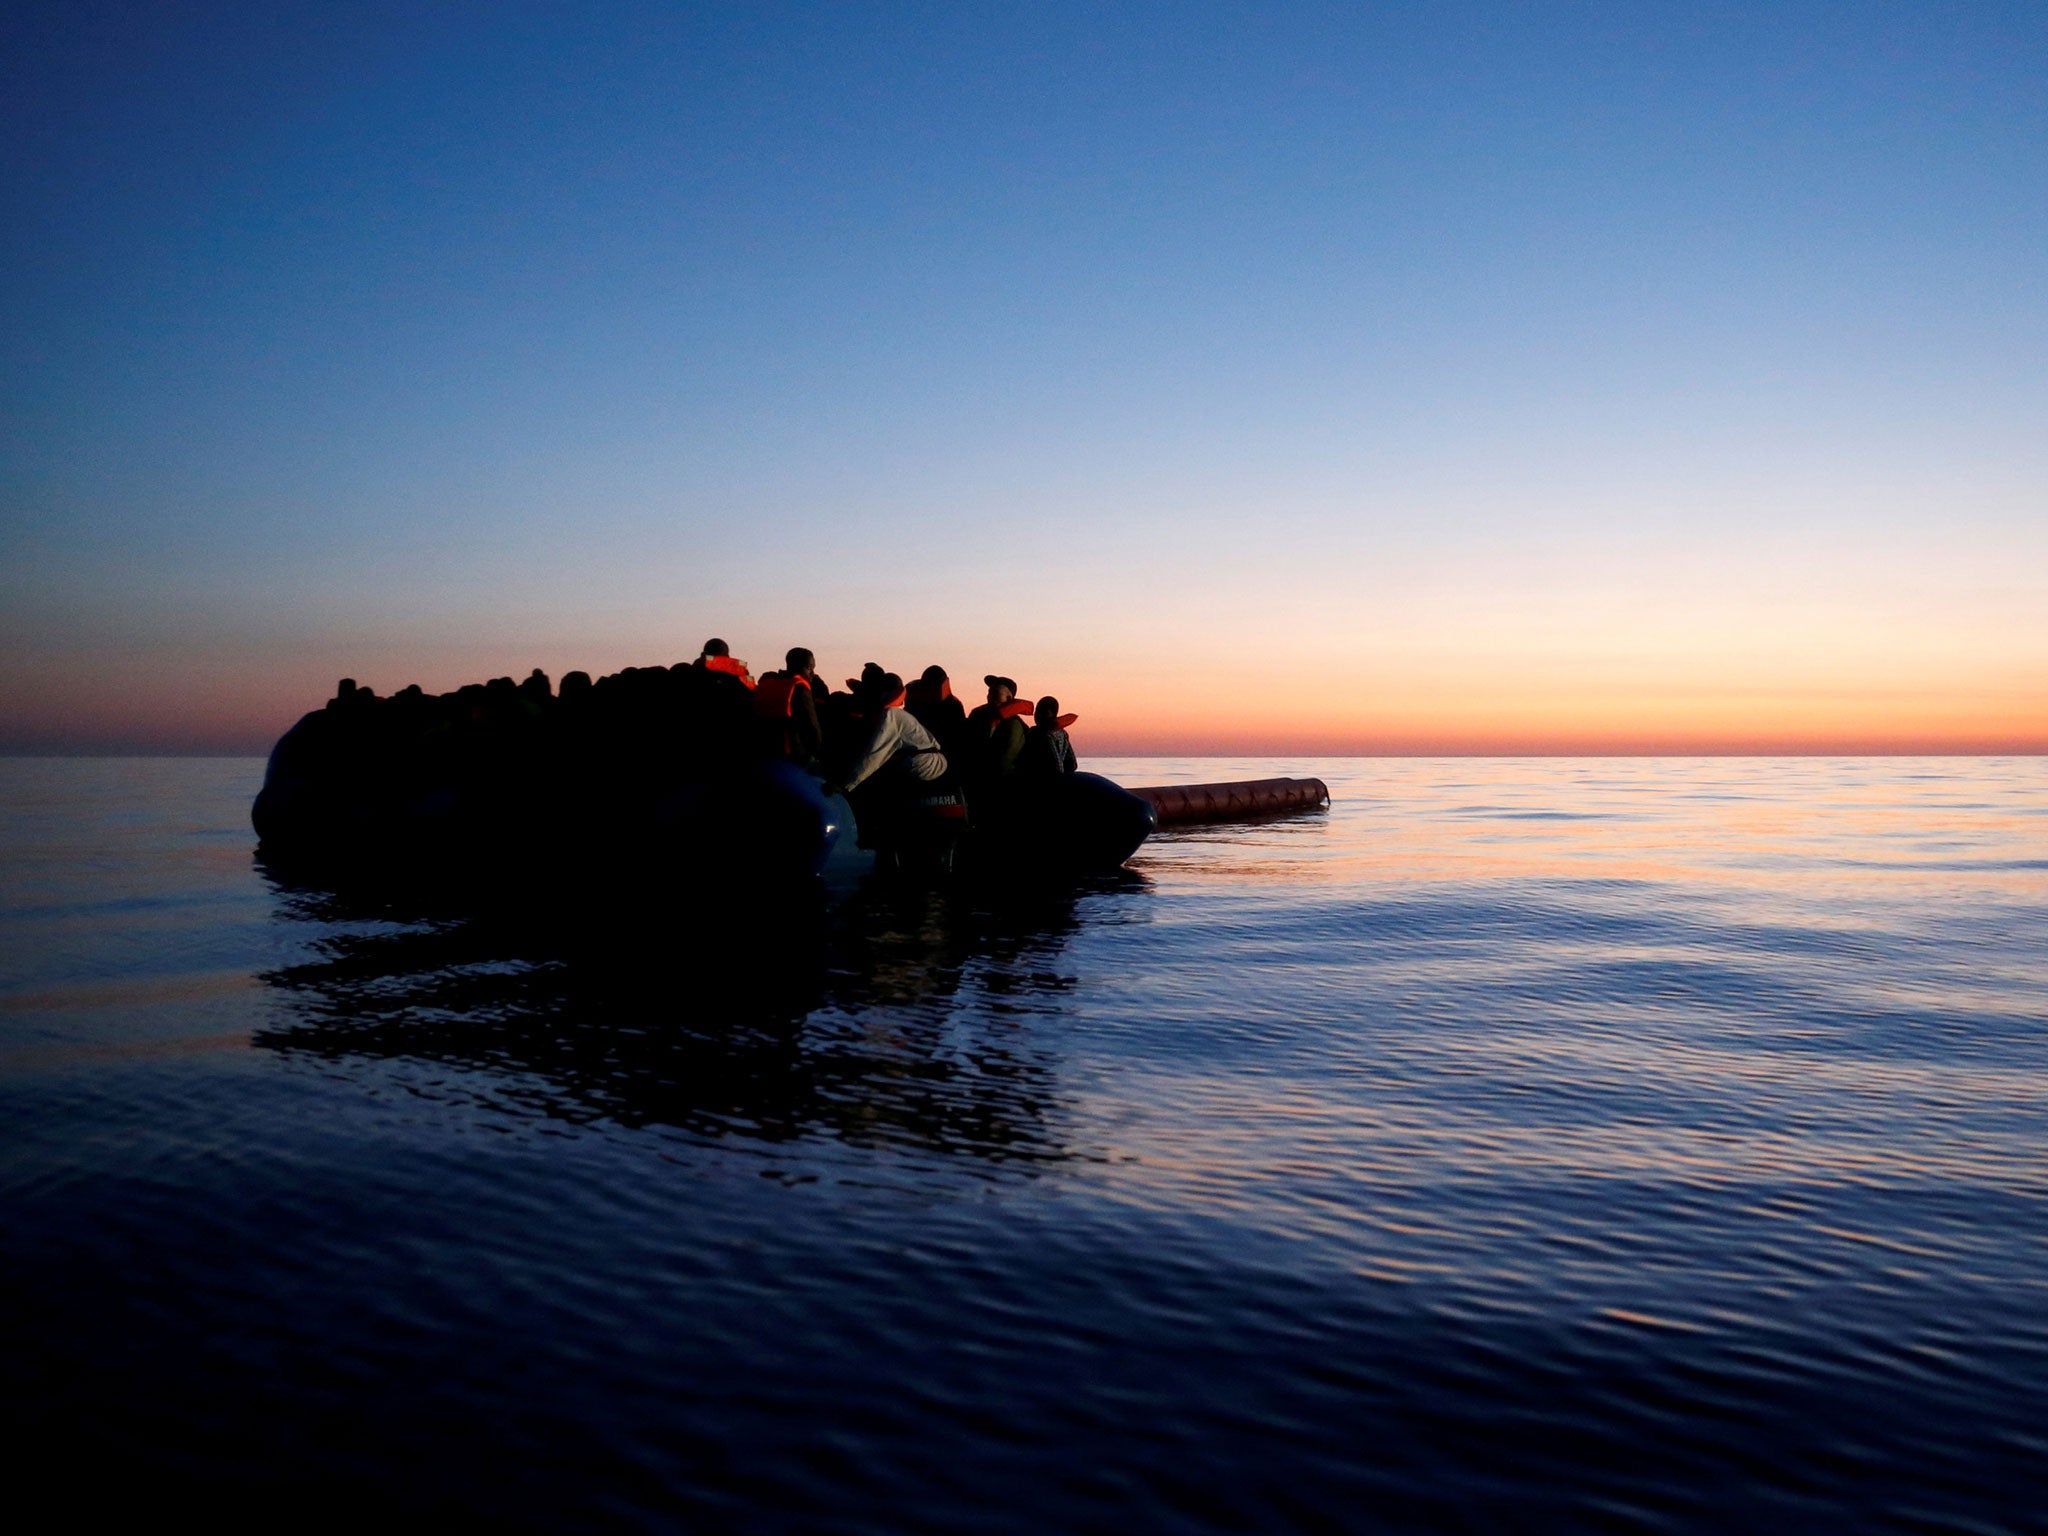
x=2039, y=750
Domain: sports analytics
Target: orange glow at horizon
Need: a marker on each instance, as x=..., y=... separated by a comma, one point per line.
x=1667, y=647
x=1232, y=709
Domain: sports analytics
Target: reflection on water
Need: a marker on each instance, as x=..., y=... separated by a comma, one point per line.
x=1542, y=1145
x=840, y=1018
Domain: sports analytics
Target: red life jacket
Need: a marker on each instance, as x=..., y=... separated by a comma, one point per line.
x=729, y=666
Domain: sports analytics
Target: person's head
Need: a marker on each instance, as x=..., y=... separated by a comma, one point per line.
x=716, y=647
x=800, y=662
x=1000, y=689
x=935, y=674
x=1048, y=712
x=575, y=685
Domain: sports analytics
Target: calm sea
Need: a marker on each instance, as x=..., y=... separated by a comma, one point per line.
x=1522, y=1145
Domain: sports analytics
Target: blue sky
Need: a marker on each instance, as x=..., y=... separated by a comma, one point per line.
x=1645, y=348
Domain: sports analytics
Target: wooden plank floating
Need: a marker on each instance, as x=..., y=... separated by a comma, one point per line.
x=1177, y=803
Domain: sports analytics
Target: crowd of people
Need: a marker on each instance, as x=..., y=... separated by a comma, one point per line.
x=919, y=730
x=887, y=743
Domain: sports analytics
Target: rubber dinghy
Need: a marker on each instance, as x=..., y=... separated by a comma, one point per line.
x=656, y=774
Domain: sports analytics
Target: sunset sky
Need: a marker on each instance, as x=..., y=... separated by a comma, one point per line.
x=1289, y=378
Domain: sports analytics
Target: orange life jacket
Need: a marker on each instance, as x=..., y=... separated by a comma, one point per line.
x=775, y=694
x=775, y=702
x=729, y=666
x=1062, y=721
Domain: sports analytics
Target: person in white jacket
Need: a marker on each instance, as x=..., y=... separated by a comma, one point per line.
x=895, y=736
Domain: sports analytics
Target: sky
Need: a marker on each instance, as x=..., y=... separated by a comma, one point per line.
x=1275, y=378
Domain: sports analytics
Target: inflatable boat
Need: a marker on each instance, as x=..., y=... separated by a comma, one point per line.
x=510, y=797
x=669, y=777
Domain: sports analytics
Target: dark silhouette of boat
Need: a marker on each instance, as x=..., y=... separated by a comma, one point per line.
x=657, y=772
x=664, y=775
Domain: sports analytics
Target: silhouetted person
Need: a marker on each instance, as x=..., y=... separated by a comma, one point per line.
x=895, y=740
x=350, y=699
x=995, y=731
x=1047, y=753
x=786, y=703
x=717, y=657
x=931, y=699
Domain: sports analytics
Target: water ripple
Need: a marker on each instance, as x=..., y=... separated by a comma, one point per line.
x=1536, y=1145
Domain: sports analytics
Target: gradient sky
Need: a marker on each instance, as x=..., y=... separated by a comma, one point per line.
x=1447, y=377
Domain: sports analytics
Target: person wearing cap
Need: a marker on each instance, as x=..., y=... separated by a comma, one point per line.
x=895, y=740
x=996, y=730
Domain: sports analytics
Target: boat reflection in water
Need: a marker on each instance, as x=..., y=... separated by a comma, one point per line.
x=886, y=1019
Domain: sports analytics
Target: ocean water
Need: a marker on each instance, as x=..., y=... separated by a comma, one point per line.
x=1630, y=1145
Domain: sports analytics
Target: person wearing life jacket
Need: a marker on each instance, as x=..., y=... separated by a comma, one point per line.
x=786, y=703
x=996, y=730
x=931, y=699
x=717, y=656
x=895, y=742
x=1048, y=753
